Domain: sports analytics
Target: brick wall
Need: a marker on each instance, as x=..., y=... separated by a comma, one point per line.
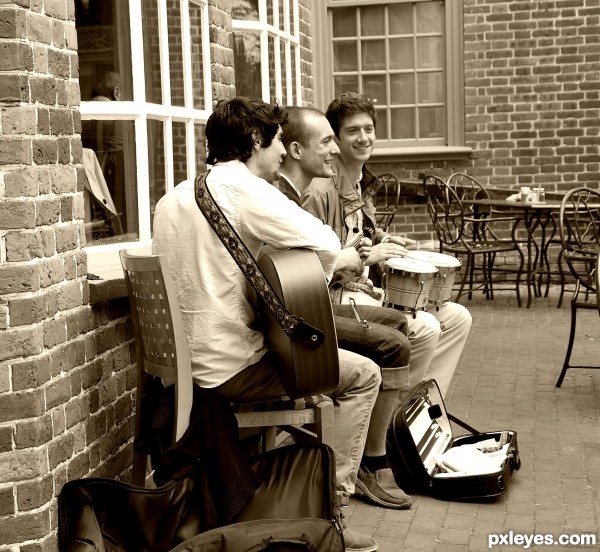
x=66, y=375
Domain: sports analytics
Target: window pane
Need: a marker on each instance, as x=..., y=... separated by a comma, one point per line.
x=373, y=55
x=272, y=78
x=246, y=51
x=400, y=19
x=103, y=48
x=431, y=88
x=345, y=84
x=382, y=124
x=402, y=89
x=270, y=12
x=431, y=122
x=402, y=53
x=197, y=57
x=374, y=88
x=175, y=52
x=345, y=56
x=344, y=22
x=200, y=140
x=429, y=17
x=429, y=53
x=179, y=153
x=151, y=51
x=403, y=123
x=245, y=9
x=284, y=82
x=295, y=99
x=372, y=22
x=110, y=185
x=156, y=163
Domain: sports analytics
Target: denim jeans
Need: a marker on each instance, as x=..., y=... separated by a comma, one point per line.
x=353, y=401
x=385, y=342
x=437, y=339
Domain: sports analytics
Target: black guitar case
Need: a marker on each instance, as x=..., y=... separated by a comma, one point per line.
x=294, y=509
x=419, y=434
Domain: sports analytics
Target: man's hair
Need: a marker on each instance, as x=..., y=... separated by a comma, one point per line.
x=295, y=129
x=235, y=125
x=109, y=81
x=346, y=105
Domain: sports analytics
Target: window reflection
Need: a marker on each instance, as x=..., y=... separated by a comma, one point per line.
x=246, y=48
x=110, y=194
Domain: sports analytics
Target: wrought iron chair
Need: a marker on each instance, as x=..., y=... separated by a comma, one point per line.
x=462, y=233
x=579, y=227
x=386, y=200
x=162, y=352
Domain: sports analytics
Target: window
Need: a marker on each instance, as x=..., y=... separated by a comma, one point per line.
x=146, y=95
x=267, y=50
x=406, y=55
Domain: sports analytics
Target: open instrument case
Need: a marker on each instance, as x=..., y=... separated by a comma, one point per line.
x=419, y=438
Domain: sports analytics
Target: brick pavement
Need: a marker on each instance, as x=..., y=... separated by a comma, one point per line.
x=505, y=380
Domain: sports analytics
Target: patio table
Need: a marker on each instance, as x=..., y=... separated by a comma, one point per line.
x=534, y=216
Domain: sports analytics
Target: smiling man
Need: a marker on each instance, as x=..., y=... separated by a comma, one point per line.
x=311, y=151
x=345, y=202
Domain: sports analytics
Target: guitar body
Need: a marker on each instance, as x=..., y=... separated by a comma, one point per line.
x=297, y=277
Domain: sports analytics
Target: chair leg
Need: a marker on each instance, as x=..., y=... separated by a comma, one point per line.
x=519, y=274
x=464, y=278
x=566, y=364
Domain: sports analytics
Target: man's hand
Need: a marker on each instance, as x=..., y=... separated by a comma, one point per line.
x=385, y=251
x=348, y=265
x=364, y=248
x=403, y=241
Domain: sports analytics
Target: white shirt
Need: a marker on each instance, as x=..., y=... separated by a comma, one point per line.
x=218, y=304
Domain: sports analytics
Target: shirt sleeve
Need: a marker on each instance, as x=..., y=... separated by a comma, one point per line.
x=288, y=225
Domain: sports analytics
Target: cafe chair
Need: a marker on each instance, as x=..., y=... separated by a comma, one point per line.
x=463, y=234
x=386, y=200
x=579, y=228
x=162, y=352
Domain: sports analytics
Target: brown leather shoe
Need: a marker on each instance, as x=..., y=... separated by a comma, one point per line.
x=380, y=487
x=357, y=542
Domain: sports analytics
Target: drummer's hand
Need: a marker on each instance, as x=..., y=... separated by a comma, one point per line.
x=385, y=251
x=364, y=248
x=402, y=240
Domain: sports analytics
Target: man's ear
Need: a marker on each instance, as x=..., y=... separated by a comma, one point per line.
x=295, y=150
x=255, y=140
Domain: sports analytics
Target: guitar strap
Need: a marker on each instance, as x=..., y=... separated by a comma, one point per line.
x=295, y=327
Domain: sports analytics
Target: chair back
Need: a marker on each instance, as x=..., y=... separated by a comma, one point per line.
x=161, y=345
x=467, y=187
x=446, y=211
x=579, y=228
x=386, y=200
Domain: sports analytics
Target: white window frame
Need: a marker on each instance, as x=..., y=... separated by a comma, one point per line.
x=139, y=111
x=288, y=37
x=453, y=72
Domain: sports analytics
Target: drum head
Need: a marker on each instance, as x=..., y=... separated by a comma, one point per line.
x=438, y=259
x=405, y=264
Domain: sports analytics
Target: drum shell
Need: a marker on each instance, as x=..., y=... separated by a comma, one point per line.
x=447, y=266
x=407, y=284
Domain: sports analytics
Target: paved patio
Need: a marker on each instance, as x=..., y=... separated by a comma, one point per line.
x=506, y=381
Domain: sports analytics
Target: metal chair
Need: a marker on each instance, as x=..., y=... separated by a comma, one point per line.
x=386, y=200
x=162, y=352
x=462, y=233
x=579, y=227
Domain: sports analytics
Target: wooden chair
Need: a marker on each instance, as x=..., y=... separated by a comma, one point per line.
x=162, y=352
x=386, y=200
x=462, y=234
x=579, y=228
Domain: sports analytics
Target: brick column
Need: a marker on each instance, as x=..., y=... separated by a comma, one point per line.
x=42, y=267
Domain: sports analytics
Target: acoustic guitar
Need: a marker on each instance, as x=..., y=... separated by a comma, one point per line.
x=296, y=276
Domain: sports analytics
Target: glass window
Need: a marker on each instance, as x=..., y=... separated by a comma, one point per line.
x=145, y=85
x=266, y=41
x=403, y=54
